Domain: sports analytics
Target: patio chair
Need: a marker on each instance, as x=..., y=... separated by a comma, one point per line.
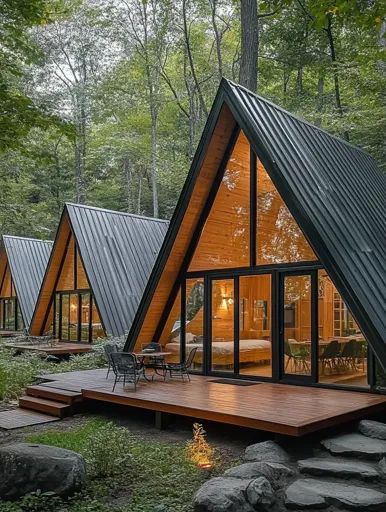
x=109, y=348
x=181, y=369
x=125, y=365
x=351, y=354
x=331, y=356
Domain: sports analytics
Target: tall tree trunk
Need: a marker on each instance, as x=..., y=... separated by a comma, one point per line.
x=320, y=99
x=128, y=181
x=217, y=37
x=335, y=71
x=249, y=44
x=154, y=155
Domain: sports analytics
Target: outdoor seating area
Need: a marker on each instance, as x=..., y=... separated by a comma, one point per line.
x=130, y=367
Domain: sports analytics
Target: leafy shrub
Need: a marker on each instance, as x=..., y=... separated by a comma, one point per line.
x=107, y=450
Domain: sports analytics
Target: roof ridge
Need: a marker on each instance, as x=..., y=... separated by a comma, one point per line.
x=106, y=210
x=296, y=117
x=28, y=238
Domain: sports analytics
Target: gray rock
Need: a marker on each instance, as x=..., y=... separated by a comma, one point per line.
x=356, y=445
x=234, y=495
x=274, y=472
x=266, y=451
x=26, y=468
x=373, y=429
x=340, y=468
x=382, y=466
x=260, y=493
x=312, y=493
x=223, y=495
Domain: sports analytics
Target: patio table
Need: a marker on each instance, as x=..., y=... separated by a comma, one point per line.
x=141, y=356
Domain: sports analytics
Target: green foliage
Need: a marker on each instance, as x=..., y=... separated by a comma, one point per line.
x=155, y=475
x=18, y=372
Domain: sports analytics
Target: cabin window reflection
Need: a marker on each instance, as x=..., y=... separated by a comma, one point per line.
x=222, y=339
x=278, y=236
x=342, y=348
x=194, y=327
x=255, y=345
x=170, y=339
x=224, y=241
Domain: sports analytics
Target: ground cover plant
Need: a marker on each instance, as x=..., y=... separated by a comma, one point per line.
x=127, y=472
x=19, y=371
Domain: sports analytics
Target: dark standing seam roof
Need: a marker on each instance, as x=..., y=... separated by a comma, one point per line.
x=118, y=251
x=336, y=193
x=27, y=260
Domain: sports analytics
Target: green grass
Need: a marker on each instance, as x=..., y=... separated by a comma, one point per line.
x=158, y=476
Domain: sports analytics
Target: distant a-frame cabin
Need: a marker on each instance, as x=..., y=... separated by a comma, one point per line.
x=99, y=266
x=23, y=262
x=274, y=265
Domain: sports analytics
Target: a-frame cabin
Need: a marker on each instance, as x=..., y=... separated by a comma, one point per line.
x=23, y=262
x=274, y=265
x=97, y=272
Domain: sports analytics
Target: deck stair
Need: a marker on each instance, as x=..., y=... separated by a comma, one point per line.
x=52, y=401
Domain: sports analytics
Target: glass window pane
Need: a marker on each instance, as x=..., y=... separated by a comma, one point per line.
x=278, y=237
x=255, y=325
x=65, y=317
x=224, y=242
x=222, y=339
x=297, y=325
x=1, y=314
x=66, y=280
x=170, y=339
x=194, y=330
x=57, y=314
x=74, y=316
x=85, y=317
x=97, y=328
x=81, y=279
x=342, y=347
x=19, y=319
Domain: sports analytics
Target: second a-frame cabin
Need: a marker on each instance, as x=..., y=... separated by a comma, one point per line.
x=274, y=265
x=97, y=272
x=23, y=262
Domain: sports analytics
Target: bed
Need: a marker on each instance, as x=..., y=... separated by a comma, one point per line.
x=251, y=351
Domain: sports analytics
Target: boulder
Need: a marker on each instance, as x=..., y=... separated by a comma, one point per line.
x=312, y=493
x=266, y=451
x=274, y=472
x=227, y=494
x=26, y=468
x=339, y=468
x=373, y=429
x=356, y=445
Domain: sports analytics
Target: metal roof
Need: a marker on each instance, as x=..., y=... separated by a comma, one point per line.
x=27, y=259
x=118, y=251
x=336, y=193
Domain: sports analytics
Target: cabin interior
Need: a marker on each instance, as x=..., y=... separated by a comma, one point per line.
x=10, y=314
x=255, y=300
x=73, y=312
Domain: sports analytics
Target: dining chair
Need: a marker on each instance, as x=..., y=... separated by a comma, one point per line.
x=109, y=348
x=125, y=365
x=181, y=369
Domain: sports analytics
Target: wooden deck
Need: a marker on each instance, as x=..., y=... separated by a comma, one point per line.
x=278, y=408
x=54, y=350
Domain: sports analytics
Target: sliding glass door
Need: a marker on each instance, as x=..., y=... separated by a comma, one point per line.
x=222, y=344
x=297, y=327
x=73, y=319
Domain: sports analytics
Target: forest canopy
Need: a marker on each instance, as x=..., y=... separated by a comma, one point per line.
x=104, y=101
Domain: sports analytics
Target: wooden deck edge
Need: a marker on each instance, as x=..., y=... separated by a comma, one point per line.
x=229, y=419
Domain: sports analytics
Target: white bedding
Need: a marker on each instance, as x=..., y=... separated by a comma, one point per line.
x=223, y=347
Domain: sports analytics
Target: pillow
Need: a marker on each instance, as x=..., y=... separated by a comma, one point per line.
x=189, y=337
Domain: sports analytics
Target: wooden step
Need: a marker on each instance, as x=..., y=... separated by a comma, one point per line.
x=51, y=407
x=57, y=395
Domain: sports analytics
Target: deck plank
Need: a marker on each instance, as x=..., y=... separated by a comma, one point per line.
x=279, y=408
x=17, y=418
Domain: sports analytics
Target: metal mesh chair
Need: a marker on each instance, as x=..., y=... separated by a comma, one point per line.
x=125, y=365
x=109, y=348
x=181, y=369
x=331, y=356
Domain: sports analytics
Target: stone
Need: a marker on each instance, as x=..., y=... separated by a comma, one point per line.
x=274, y=472
x=356, y=445
x=223, y=495
x=227, y=494
x=374, y=429
x=382, y=466
x=339, y=468
x=313, y=493
x=260, y=493
x=266, y=451
x=26, y=468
